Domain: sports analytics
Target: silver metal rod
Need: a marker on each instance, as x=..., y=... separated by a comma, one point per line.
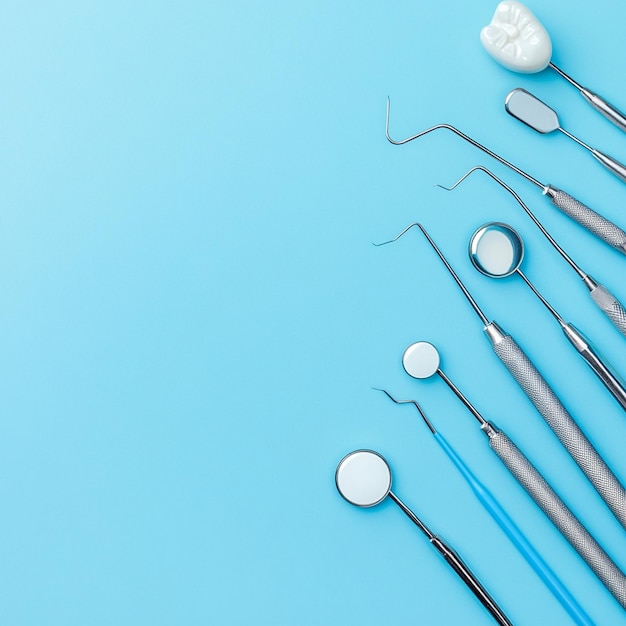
x=466, y=293
x=462, y=398
x=463, y=136
x=569, y=79
x=538, y=294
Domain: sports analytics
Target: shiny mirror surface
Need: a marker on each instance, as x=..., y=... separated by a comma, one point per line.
x=421, y=360
x=496, y=250
x=363, y=478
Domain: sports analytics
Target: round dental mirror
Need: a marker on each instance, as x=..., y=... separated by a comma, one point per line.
x=496, y=250
x=421, y=360
x=363, y=478
x=528, y=109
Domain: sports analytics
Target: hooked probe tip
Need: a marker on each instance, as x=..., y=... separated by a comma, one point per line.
x=414, y=403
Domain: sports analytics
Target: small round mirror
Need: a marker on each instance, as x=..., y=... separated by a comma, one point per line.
x=421, y=360
x=363, y=478
x=496, y=250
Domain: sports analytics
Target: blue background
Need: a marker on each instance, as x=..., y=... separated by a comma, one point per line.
x=193, y=314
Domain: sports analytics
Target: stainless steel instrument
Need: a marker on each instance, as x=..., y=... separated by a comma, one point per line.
x=586, y=217
x=544, y=399
x=363, y=478
x=600, y=295
x=536, y=114
x=508, y=526
x=421, y=360
x=497, y=250
x=516, y=39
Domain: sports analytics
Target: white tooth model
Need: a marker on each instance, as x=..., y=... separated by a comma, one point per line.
x=516, y=39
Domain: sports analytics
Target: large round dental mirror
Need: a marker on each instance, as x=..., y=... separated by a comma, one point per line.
x=363, y=478
x=496, y=250
x=421, y=360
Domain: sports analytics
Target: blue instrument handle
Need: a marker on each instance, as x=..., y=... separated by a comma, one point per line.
x=509, y=527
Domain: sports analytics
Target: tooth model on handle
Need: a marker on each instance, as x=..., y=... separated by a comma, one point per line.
x=516, y=39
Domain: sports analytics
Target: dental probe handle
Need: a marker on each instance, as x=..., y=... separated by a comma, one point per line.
x=609, y=305
x=603, y=370
x=510, y=529
x=604, y=107
x=556, y=510
x=466, y=575
x=587, y=218
x=559, y=420
x=611, y=164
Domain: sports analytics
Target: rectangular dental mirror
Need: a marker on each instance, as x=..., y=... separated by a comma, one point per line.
x=531, y=111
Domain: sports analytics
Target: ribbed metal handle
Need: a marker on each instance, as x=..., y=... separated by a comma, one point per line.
x=611, y=307
x=587, y=218
x=562, y=423
x=558, y=513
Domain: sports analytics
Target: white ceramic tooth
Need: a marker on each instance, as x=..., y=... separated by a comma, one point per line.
x=516, y=39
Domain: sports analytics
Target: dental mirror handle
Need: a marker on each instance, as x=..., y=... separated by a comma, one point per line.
x=587, y=218
x=457, y=564
x=466, y=575
x=510, y=529
x=556, y=510
x=559, y=420
x=611, y=380
x=604, y=107
x=610, y=306
x=611, y=164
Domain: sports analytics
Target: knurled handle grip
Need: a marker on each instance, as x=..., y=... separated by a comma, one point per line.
x=563, y=424
x=587, y=218
x=565, y=521
x=611, y=307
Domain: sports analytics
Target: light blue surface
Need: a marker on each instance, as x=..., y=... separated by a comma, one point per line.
x=193, y=313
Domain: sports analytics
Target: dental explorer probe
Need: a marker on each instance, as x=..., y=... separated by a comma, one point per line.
x=421, y=360
x=586, y=217
x=507, y=525
x=545, y=400
x=600, y=295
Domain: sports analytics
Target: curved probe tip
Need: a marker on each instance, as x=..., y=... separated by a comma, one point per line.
x=384, y=243
x=414, y=403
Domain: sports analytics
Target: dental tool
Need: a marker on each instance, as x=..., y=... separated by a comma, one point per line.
x=586, y=217
x=516, y=39
x=601, y=296
x=497, y=250
x=506, y=524
x=421, y=360
x=536, y=114
x=363, y=478
x=544, y=399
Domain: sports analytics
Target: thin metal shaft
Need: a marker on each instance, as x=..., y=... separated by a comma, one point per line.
x=415, y=404
x=538, y=294
x=578, y=141
x=462, y=398
x=530, y=214
x=466, y=293
x=468, y=139
x=569, y=79
x=416, y=520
